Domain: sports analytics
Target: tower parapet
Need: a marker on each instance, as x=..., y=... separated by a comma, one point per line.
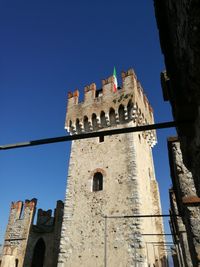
x=21, y=216
x=105, y=108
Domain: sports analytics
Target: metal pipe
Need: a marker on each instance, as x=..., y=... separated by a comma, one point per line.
x=95, y=134
x=105, y=242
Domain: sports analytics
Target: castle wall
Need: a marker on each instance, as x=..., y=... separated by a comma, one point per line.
x=17, y=233
x=47, y=229
x=22, y=236
x=129, y=186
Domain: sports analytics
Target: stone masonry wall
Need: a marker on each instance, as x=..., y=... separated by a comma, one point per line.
x=178, y=23
x=124, y=193
x=129, y=185
x=47, y=229
x=17, y=233
x=179, y=234
x=22, y=236
x=186, y=197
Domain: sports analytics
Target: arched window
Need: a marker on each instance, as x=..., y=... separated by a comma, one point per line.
x=70, y=126
x=38, y=254
x=121, y=114
x=86, y=124
x=78, y=128
x=97, y=182
x=112, y=117
x=94, y=122
x=103, y=119
x=16, y=262
x=130, y=109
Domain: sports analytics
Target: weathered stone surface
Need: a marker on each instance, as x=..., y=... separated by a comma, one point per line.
x=129, y=185
x=17, y=233
x=179, y=23
x=178, y=230
x=184, y=188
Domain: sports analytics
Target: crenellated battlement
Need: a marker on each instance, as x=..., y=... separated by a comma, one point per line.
x=20, y=219
x=31, y=204
x=45, y=218
x=22, y=216
x=22, y=235
x=16, y=210
x=106, y=108
x=19, y=209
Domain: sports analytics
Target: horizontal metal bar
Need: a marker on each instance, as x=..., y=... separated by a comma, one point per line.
x=163, y=245
x=159, y=242
x=95, y=134
x=158, y=234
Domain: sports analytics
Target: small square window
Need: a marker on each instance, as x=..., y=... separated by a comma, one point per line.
x=101, y=139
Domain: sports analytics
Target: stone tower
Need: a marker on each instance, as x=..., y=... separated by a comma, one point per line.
x=111, y=176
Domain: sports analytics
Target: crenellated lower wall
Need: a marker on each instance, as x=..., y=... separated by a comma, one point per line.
x=22, y=236
x=17, y=232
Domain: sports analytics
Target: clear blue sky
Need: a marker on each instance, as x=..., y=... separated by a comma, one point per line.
x=48, y=48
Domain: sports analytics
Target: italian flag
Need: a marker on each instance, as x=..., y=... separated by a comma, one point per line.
x=115, y=80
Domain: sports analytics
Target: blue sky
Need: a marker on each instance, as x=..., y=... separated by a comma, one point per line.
x=50, y=47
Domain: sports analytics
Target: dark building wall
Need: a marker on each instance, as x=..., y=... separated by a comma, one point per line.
x=179, y=30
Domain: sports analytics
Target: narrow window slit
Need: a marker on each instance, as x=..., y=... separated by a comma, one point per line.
x=97, y=182
x=101, y=138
